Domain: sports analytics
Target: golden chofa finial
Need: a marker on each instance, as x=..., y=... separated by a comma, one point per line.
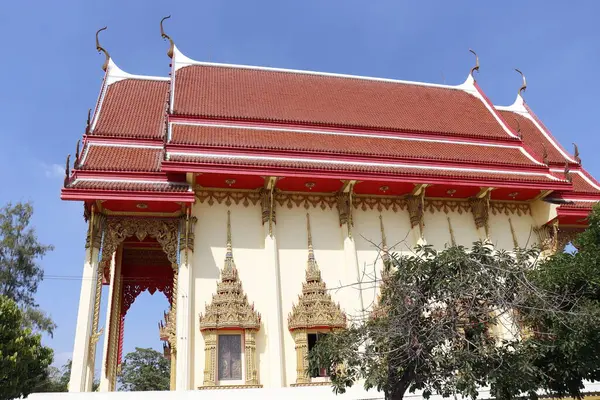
x=524, y=85
x=102, y=49
x=165, y=36
x=67, y=171
x=476, y=67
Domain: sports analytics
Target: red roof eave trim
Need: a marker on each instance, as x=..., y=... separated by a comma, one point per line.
x=176, y=166
x=434, y=162
x=458, y=137
x=87, y=194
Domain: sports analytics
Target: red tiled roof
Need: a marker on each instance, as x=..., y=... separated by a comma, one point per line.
x=580, y=185
x=288, y=97
x=119, y=158
x=278, y=140
x=533, y=137
x=578, y=205
x=129, y=186
x=359, y=168
x=133, y=108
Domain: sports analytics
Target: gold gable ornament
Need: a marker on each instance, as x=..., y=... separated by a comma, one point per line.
x=315, y=310
x=229, y=310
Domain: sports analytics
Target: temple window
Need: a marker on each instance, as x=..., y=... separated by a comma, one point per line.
x=229, y=325
x=312, y=339
x=230, y=356
x=313, y=318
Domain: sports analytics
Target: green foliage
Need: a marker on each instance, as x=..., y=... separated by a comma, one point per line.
x=145, y=369
x=58, y=380
x=20, y=273
x=433, y=328
x=23, y=360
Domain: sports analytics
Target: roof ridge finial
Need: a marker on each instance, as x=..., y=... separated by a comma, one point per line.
x=165, y=36
x=88, y=121
x=576, y=153
x=229, y=270
x=384, y=247
x=524, y=85
x=67, y=170
x=544, y=154
x=519, y=133
x=476, y=67
x=567, y=172
x=77, y=154
x=102, y=49
x=312, y=268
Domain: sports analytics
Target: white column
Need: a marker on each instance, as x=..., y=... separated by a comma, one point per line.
x=81, y=349
x=105, y=384
x=351, y=259
x=184, y=321
x=274, y=321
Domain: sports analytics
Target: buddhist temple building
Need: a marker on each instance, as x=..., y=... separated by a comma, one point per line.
x=256, y=200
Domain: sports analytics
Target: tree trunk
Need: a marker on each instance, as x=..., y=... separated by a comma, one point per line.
x=398, y=385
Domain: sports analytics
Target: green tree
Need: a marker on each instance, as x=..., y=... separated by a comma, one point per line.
x=20, y=273
x=58, y=380
x=433, y=328
x=23, y=360
x=563, y=349
x=145, y=369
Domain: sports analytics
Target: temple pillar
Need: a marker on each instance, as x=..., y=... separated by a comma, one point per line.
x=184, y=308
x=81, y=372
x=274, y=325
x=108, y=368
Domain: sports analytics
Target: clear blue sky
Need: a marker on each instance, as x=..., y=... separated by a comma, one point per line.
x=50, y=75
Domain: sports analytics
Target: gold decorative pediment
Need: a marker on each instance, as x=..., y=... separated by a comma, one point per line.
x=315, y=308
x=229, y=307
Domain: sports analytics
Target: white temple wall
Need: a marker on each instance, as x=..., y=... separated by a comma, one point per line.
x=328, y=242
x=293, y=255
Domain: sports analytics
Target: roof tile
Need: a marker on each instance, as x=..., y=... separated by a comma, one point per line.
x=119, y=158
x=279, y=140
x=133, y=108
x=129, y=186
x=306, y=98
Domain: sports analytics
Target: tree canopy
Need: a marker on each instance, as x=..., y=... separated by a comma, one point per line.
x=24, y=361
x=20, y=273
x=145, y=369
x=453, y=321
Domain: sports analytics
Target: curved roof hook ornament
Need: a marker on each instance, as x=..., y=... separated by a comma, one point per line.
x=476, y=67
x=518, y=129
x=576, y=154
x=524, y=85
x=102, y=49
x=165, y=36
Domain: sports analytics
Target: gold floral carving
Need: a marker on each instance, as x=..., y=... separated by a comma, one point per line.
x=228, y=197
x=506, y=208
x=165, y=231
x=416, y=208
x=344, y=200
x=566, y=236
x=315, y=309
x=187, y=227
x=306, y=200
x=267, y=205
x=547, y=237
x=95, y=228
x=480, y=207
x=447, y=206
x=229, y=309
x=379, y=203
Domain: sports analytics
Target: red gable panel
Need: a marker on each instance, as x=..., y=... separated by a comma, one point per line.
x=288, y=97
x=133, y=108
